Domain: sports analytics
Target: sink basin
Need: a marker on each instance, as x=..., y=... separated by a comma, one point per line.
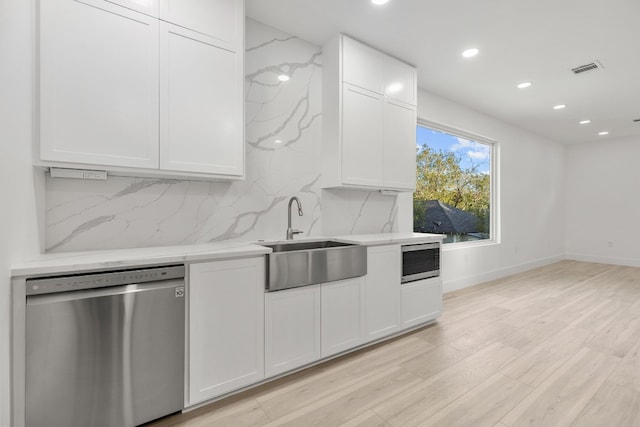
x=295, y=264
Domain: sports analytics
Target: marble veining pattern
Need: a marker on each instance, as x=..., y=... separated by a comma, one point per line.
x=283, y=133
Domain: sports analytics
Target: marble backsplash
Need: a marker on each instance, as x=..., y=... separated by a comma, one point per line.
x=283, y=134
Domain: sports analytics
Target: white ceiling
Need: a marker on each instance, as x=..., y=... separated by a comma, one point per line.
x=539, y=41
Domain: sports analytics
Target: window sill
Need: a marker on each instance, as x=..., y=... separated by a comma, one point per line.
x=468, y=245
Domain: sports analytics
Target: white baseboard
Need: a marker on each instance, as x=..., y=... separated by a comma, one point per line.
x=454, y=285
x=630, y=262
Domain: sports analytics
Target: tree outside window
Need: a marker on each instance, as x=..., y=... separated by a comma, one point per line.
x=453, y=189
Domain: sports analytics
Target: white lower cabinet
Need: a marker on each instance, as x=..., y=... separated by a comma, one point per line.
x=382, y=291
x=226, y=327
x=342, y=315
x=292, y=329
x=421, y=301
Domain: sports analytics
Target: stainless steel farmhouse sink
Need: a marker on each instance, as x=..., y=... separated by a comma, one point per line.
x=294, y=264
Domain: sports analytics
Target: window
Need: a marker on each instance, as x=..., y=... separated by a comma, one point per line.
x=455, y=184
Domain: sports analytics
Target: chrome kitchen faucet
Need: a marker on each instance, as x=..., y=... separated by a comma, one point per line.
x=290, y=231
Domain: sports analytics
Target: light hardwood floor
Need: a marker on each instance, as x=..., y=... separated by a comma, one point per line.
x=554, y=346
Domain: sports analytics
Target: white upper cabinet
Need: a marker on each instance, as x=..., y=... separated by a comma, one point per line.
x=370, y=69
x=399, y=81
x=200, y=104
x=369, y=108
x=361, y=66
x=222, y=20
x=126, y=90
x=362, y=157
x=399, y=139
x=148, y=7
x=98, y=84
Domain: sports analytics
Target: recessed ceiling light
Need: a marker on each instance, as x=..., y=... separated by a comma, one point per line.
x=469, y=53
x=379, y=2
x=278, y=141
x=585, y=122
x=524, y=85
x=559, y=107
x=603, y=133
x=284, y=78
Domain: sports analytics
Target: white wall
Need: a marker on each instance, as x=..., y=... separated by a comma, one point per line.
x=603, y=202
x=18, y=224
x=531, y=194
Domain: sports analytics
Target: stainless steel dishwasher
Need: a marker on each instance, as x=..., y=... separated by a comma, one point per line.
x=105, y=349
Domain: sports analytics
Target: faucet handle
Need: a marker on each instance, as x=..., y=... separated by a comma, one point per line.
x=294, y=232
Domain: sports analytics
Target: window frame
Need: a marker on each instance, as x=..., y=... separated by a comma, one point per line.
x=494, y=199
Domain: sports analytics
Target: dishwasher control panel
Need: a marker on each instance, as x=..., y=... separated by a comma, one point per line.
x=102, y=279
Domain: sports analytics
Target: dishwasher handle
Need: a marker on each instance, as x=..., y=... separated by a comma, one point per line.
x=178, y=284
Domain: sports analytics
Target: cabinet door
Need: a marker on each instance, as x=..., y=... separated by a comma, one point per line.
x=220, y=19
x=226, y=326
x=342, y=315
x=201, y=104
x=98, y=84
x=382, y=291
x=362, y=66
x=400, y=81
x=292, y=329
x=148, y=7
x=362, y=137
x=421, y=301
x=399, y=146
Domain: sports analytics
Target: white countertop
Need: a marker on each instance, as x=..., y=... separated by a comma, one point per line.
x=72, y=262
x=123, y=258
x=391, y=238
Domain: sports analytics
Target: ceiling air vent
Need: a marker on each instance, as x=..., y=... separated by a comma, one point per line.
x=592, y=66
x=636, y=120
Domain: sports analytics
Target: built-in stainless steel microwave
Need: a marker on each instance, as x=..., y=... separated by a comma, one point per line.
x=420, y=261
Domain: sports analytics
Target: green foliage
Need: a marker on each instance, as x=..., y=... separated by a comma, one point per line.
x=440, y=177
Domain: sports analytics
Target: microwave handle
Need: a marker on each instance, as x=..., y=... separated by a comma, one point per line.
x=420, y=247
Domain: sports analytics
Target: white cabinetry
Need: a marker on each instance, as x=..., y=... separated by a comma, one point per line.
x=342, y=314
x=148, y=7
x=292, y=329
x=131, y=93
x=421, y=301
x=305, y=324
x=226, y=326
x=98, y=84
x=369, y=103
x=200, y=104
x=222, y=20
x=362, y=113
x=382, y=292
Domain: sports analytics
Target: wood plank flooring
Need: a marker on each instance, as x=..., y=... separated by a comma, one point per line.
x=554, y=346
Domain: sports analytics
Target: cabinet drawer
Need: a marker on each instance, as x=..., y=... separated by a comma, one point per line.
x=421, y=301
